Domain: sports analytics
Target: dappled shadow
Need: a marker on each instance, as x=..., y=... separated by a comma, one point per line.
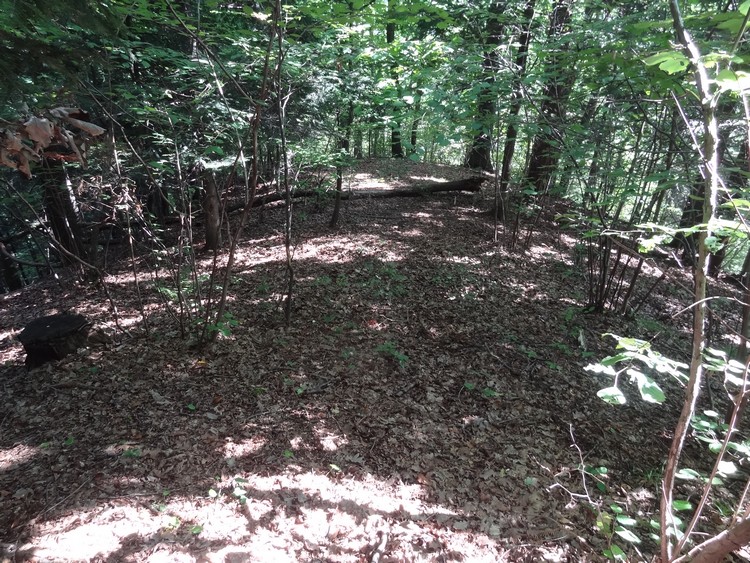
x=429, y=386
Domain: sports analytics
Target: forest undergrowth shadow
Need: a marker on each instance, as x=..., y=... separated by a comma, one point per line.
x=429, y=367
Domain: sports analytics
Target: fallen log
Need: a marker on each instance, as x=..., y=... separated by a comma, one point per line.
x=467, y=185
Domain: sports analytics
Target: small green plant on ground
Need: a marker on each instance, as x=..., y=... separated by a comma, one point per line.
x=188, y=288
x=564, y=348
x=323, y=281
x=450, y=275
x=384, y=280
x=347, y=353
x=238, y=490
x=263, y=288
x=649, y=325
x=638, y=360
x=389, y=349
x=223, y=326
x=529, y=352
x=173, y=523
x=487, y=392
x=616, y=524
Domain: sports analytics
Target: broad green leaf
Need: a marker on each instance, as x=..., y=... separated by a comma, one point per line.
x=650, y=391
x=611, y=395
x=214, y=150
x=728, y=81
x=599, y=368
x=670, y=62
x=727, y=468
x=604, y=522
x=626, y=520
x=674, y=66
x=632, y=344
x=612, y=360
x=615, y=552
x=688, y=474
x=682, y=505
x=733, y=24
x=627, y=535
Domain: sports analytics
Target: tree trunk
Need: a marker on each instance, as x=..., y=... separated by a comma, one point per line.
x=415, y=122
x=479, y=156
x=710, y=165
x=721, y=545
x=358, y=143
x=545, y=151
x=59, y=206
x=653, y=210
x=515, y=106
x=211, y=211
x=11, y=276
x=345, y=132
x=738, y=182
x=397, y=149
x=692, y=213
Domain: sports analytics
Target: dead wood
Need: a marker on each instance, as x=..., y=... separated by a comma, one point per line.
x=467, y=185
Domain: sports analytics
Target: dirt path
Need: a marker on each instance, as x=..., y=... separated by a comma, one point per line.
x=428, y=403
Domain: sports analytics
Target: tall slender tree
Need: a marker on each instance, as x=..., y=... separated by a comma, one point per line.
x=397, y=148
x=479, y=155
x=559, y=70
x=519, y=70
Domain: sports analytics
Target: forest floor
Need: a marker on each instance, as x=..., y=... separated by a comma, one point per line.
x=428, y=401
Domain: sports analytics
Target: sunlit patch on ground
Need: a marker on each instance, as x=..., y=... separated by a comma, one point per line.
x=425, y=396
x=16, y=455
x=264, y=517
x=241, y=448
x=368, y=182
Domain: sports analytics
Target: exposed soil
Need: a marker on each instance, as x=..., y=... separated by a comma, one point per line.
x=428, y=401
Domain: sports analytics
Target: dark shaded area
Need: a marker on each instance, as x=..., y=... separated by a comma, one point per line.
x=53, y=337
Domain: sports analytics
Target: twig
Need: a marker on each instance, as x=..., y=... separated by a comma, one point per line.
x=380, y=548
x=58, y=503
x=580, y=457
